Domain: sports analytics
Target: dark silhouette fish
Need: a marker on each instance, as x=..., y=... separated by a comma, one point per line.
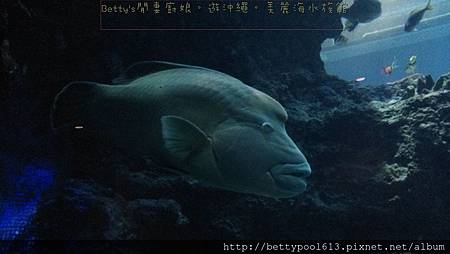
x=387, y=70
x=416, y=16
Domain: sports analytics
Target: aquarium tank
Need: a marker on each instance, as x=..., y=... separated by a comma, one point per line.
x=258, y=122
x=374, y=45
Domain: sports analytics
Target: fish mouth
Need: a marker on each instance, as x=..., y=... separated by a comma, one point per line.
x=291, y=177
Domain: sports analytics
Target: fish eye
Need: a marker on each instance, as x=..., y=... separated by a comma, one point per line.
x=266, y=127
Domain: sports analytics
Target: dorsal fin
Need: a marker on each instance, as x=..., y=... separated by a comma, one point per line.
x=143, y=68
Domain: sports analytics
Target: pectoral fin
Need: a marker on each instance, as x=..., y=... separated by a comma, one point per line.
x=181, y=137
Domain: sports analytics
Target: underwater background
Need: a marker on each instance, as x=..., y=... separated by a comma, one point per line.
x=379, y=148
x=374, y=45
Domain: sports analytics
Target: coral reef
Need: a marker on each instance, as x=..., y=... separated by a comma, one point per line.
x=380, y=172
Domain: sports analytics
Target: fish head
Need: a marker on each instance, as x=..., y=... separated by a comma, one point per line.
x=248, y=151
x=387, y=70
x=254, y=153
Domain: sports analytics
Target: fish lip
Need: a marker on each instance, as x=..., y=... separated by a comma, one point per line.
x=291, y=177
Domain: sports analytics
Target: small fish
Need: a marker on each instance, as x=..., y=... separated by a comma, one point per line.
x=360, y=79
x=387, y=70
x=341, y=39
x=413, y=59
x=411, y=66
x=416, y=16
x=357, y=80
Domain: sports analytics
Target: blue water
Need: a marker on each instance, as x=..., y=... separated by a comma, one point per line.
x=433, y=57
x=21, y=192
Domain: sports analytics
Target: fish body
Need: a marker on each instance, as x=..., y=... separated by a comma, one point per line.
x=201, y=122
x=387, y=70
x=416, y=16
x=360, y=79
x=411, y=66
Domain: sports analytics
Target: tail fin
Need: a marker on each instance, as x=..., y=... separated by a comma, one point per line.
x=72, y=104
x=429, y=7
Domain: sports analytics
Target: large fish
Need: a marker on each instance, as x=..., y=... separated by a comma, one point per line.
x=416, y=16
x=194, y=120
